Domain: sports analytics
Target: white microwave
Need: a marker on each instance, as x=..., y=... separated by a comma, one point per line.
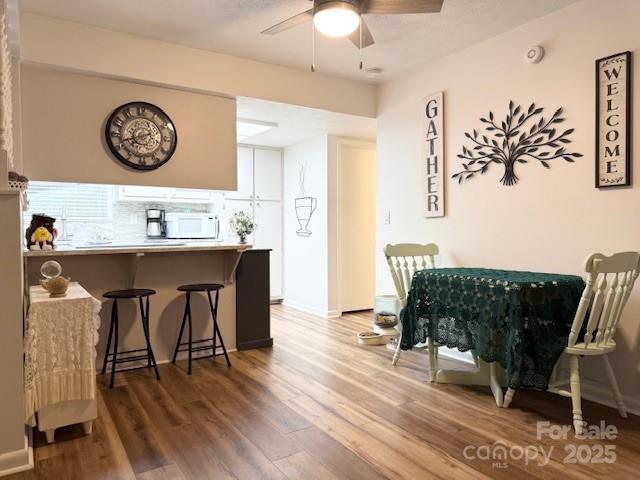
x=192, y=225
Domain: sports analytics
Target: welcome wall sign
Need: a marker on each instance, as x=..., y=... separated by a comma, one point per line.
x=432, y=157
x=613, y=120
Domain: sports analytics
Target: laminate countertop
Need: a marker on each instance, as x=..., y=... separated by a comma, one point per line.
x=115, y=248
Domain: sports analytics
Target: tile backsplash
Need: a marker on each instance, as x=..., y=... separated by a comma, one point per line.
x=128, y=223
x=99, y=213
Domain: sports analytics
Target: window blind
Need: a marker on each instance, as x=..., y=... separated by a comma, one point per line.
x=77, y=200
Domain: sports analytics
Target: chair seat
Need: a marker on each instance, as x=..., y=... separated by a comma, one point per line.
x=592, y=349
x=129, y=293
x=200, y=287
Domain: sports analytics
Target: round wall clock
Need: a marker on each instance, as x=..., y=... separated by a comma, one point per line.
x=141, y=135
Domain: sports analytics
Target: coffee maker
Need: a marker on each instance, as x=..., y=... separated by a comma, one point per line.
x=156, y=224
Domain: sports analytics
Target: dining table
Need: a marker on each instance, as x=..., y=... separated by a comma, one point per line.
x=515, y=323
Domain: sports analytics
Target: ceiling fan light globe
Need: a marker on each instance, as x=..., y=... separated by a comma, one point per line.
x=336, y=19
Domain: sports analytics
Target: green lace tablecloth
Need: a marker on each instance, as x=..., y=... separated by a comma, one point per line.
x=518, y=319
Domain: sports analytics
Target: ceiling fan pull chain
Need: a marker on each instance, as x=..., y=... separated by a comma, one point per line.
x=313, y=47
x=360, y=46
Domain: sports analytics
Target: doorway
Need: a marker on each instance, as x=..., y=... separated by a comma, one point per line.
x=356, y=225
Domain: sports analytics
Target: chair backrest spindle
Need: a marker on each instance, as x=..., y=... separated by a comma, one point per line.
x=404, y=260
x=608, y=287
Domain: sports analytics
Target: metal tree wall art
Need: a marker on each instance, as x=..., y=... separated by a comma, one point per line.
x=520, y=138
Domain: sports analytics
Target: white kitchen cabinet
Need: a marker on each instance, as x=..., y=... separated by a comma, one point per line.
x=267, y=165
x=260, y=194
x=141, y=194
x=245, y=175
x=268, y=234
x=130, y=193
x=191, y=195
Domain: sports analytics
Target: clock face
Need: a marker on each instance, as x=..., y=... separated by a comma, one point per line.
x=141, y=135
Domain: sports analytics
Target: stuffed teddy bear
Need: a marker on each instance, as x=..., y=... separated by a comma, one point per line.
x=40, y=234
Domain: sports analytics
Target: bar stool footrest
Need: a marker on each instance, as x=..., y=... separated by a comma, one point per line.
x=127, y=351
x=197, y=349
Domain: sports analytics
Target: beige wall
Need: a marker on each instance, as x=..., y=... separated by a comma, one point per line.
x=80, y=47
x=552, y=219
x=63, y=120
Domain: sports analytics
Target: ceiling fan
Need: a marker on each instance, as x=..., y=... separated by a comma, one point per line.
x=341, y=18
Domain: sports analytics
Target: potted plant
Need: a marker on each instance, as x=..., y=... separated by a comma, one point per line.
x=242, y=224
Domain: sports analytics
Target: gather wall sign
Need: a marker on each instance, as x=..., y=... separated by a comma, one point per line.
x=433, y=155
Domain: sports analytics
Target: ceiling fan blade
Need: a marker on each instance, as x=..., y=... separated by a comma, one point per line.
x=367, y=38
x=386, y=7
x=294, y=21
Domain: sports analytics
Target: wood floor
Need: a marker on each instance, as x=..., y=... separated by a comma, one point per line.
x=318, y=406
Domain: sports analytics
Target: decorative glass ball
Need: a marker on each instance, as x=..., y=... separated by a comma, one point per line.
x=50, y=269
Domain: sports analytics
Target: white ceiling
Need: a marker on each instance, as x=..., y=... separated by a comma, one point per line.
x=403, y=42
x=296, y=124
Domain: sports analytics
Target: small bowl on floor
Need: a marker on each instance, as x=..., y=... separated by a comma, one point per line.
x=371, y=338
x=385, y=320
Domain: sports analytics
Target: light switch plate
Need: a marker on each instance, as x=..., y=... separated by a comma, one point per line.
x=133, y=219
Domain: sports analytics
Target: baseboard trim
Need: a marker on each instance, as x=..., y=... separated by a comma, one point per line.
x=265, y=342
x=311, y=310
x=19, y=460
x=593, y=391
x=599, y=393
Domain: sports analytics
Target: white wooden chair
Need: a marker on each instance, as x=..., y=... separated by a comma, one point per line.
x=609, y=284
x=404, y=260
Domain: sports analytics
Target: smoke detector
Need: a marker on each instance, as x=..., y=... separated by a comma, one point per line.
x=373, y=72
x=534, y=54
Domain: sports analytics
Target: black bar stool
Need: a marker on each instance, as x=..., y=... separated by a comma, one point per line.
x=138, y=293
x=208, y=288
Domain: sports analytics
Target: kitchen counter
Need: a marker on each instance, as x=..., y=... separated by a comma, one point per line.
x=134, y=252
x=120, y=248
x=161, y=266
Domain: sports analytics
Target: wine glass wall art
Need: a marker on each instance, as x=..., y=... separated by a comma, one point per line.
x=305, y=205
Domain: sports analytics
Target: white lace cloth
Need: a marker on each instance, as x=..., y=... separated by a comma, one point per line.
x=60, y=339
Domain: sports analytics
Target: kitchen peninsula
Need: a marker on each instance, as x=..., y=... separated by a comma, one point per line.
x=161, y=266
